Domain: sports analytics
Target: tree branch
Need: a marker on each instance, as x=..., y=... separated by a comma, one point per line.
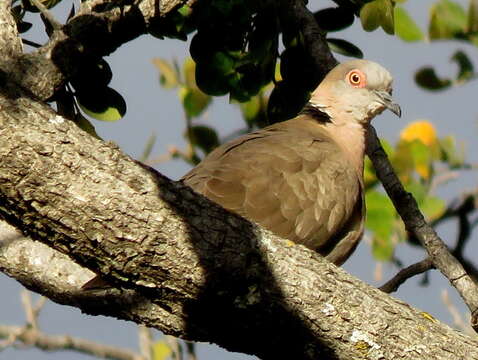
x=95, y=31
x=403, y=275
x=29, y=337
x=295, y=14
x=10, y=43
x=415, y=223
x=181, y=263
x=192, y=269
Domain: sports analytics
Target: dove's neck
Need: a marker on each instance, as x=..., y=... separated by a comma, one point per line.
x=345, y=130
x=351, y=138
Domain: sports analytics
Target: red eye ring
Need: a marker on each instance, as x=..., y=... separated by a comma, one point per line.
x=356, y=78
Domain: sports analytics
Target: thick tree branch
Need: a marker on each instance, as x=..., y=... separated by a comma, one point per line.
x=194, y=270
x=10, y=43
x=95, y=31
x=294, y=14
x=191, y=268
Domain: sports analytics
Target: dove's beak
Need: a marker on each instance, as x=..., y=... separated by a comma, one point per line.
x=386, y=99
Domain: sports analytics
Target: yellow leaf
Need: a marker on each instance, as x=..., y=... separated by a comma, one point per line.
x=168, y=74
x=420, y=130
x=423, y=171
x=161, y=350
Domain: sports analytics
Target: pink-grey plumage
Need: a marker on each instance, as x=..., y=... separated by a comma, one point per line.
x=303, y=178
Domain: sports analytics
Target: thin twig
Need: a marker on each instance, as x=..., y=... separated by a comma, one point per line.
x=458, y=320
x=443, y=179
x=173, y=342
x=9, y=340
x=145, y=339
x=30, y=314
x=31, y=43
x=466, y=200
x=25, y=337
x=191, y=350
x=405, y=274
x=47, y=14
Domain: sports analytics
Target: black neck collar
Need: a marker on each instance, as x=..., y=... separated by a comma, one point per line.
x=316, y=113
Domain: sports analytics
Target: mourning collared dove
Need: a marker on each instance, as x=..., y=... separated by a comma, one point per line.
x=302, y=179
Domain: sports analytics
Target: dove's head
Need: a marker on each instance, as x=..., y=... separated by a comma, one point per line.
x=355, y=91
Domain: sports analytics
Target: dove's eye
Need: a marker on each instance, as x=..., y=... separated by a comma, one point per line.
x=356, y=78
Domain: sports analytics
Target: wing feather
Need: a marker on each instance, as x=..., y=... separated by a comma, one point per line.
x=290, y=178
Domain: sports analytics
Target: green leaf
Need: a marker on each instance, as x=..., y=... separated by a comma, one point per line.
x=378, y=13
x=222, y=62
x=382, y=247
x=168, y=75
x=433, y=207
x=50, y=3
x=466, y=68
x=185, y=10
x=296, y=67
x=448, y=20
x=369, y=177
x=402, y=161
x=334, y=18
x=189, y=72
x=148, y=148
x=422, y=158
x=18, y=13
x=194, y=101
x=250, y=109
x=405, y=28
x=92, y=75
x=84, y=124
x=23, y=26
x=473, y=38
x=285, y=101
x=387, y=147
x=418, y=190
x=210, y=80
x=428, y=79
x=370, y=15
x=104, y=104
x=451, y=155
x=29, y=6
x=203, y=137
x=161, y=350
x=344, y=47
x=380, y=220
x=473, y=16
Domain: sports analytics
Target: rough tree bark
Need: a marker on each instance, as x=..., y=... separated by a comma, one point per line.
x=180, y=263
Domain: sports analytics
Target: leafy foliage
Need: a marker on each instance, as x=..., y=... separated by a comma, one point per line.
x=419, y=158
x=405, y=26
x=233, y=63
x=448, y=20
x=378, y=13
x=427, y=78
